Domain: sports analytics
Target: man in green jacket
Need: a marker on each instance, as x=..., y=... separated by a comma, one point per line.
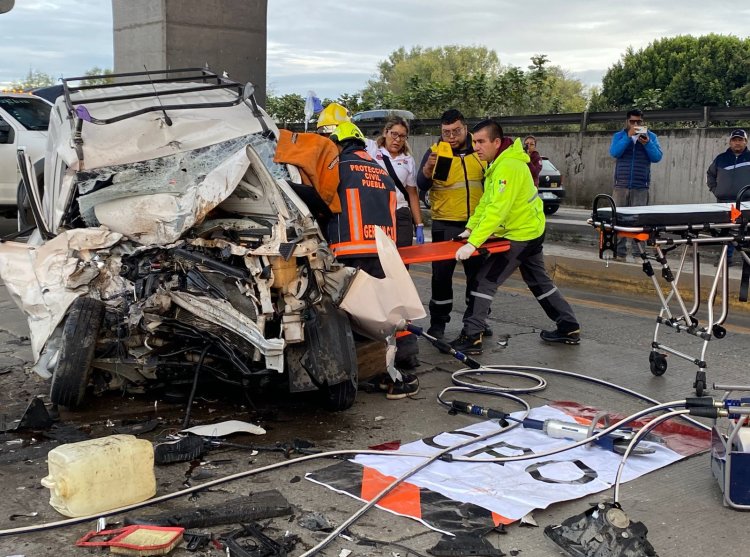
x=510, y=208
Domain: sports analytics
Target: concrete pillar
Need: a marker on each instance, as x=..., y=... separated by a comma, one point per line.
x=228, y=35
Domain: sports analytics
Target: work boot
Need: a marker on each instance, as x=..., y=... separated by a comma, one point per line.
x=398, y=390
x=571, y=337
x=437, y=330
x=468, y=344
x=385, y=381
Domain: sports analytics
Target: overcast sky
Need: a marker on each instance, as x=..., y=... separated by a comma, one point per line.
x=334, y=47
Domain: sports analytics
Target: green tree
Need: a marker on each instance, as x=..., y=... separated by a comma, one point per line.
x=97, y=71
x=427, y=81
x=286, y=108
x=33, y=79
x=437, y=65
x=680, y=72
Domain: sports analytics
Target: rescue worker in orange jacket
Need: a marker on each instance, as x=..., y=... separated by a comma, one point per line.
x=368, y=201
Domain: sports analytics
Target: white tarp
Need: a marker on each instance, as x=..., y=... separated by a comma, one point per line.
x=378, y=306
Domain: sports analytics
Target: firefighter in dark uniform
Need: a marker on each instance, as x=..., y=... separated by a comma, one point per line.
x=368, y=201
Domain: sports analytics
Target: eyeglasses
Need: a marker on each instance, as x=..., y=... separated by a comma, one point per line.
x=395, y=135
x=452, y=133
x=636, y=122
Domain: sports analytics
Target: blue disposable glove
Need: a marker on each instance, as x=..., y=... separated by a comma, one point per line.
x=420, y=234
x=465, y=251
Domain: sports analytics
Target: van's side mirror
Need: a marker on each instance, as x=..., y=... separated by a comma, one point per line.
x=7, y=133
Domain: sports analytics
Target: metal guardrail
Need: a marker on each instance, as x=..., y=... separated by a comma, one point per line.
x=704, y=116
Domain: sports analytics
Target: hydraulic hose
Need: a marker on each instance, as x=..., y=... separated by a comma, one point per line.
x=460, y=386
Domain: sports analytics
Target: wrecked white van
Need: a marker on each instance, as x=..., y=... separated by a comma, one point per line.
x=170, y=246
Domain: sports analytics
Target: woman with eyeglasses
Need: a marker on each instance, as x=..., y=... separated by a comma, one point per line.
x=391, y=151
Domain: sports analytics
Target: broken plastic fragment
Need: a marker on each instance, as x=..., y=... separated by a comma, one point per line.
x=222, y=429
x=604, y=529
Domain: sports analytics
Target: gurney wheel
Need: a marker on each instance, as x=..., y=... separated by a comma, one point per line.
x=719, y=331
x=700, y=382
x=700, y=386
x=658, y=363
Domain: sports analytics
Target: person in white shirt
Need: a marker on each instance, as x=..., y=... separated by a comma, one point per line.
x=391, y=151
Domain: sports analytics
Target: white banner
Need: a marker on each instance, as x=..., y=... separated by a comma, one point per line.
x=514, y=489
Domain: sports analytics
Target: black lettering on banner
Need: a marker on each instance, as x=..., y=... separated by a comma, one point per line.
x=490, y=450
x=589, y=475
x=432, y=443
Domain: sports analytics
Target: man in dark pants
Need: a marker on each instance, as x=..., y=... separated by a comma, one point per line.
x=368, y=200
x=453, y=196
x=510, y=208
x=729, y=173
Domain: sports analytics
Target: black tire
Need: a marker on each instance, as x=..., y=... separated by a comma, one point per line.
x=332, y=356
x=551, y=209
x=341, y=396
x=73, y=369
x=657, y=363
x=700, y=388
x=719, y=331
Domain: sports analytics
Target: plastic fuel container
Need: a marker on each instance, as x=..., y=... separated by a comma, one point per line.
x=99, y=475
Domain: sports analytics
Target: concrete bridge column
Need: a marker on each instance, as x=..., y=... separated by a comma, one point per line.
x=228, y=35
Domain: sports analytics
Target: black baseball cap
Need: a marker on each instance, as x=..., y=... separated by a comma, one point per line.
x=738, y=133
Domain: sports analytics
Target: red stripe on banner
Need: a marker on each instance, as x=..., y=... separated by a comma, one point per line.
x=499, y=519
x=404, y=499
x=683, y=438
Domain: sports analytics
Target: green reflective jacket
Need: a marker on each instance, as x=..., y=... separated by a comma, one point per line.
x=510, y=206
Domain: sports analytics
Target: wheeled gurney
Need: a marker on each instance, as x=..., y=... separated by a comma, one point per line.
x=684, y=229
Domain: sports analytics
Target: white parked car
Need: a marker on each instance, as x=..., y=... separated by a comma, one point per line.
x=170, y=247
x=24, y=119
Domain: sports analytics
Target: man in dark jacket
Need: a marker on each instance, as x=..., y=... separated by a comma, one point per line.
x=635, y=148
x=730, y=172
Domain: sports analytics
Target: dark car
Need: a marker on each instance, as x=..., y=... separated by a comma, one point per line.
x=371, y=121
x=551, y=188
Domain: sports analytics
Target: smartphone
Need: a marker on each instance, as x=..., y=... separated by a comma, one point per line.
x=444, y=160
x=641, y=130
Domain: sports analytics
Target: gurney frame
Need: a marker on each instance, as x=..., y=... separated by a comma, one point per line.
x=688, y=239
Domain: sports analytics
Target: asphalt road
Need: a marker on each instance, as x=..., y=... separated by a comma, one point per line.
x=681, y=505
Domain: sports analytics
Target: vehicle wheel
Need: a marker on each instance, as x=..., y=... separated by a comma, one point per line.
x=73, y=368
x=424, y=197
x=331, y=356
x=658, y=363
x=341, y=396
x=719, y=331
x=551, y=209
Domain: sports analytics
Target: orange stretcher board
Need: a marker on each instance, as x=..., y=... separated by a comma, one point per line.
x=442, y=251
